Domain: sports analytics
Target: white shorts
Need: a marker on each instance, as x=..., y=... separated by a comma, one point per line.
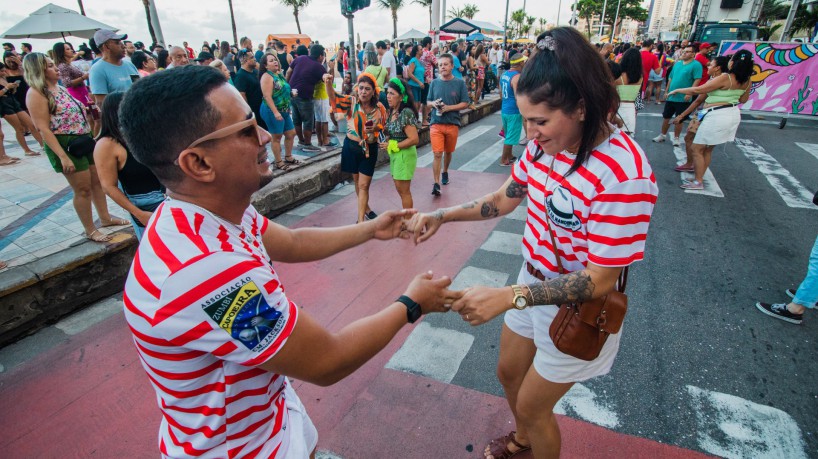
x=303, y=434
x=627, y=111
x=321, y=107
x=718, y=126
x=550, y=363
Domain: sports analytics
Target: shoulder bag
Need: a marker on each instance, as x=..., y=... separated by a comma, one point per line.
x=581, y=329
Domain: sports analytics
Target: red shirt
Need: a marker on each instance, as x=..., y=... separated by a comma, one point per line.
x=190, y=53
x=649, y=62
x=702, y=59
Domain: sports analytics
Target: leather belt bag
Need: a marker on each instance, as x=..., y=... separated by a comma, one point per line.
x=581, y=329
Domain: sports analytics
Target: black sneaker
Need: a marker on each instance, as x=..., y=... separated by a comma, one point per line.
x=445, y=177
x=436, y=189
x=371, y=215
x=790, y=292
x=779, y=311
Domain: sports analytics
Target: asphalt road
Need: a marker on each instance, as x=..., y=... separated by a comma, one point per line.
x=699, y=366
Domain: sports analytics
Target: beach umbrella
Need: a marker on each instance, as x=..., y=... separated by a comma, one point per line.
x=476, y=36
x=52, y=21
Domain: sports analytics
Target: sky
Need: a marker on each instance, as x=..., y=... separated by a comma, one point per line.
x=195, y=21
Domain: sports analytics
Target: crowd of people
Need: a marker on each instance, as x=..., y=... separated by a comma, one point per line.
x=215, y=330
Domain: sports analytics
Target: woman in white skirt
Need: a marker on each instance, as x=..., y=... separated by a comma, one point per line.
x=582, y=176
x=628, y=84
x=720, y=117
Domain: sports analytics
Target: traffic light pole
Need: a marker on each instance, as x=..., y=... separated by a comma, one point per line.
x=352, y=67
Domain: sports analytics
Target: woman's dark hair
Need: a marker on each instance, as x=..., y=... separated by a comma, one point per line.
x=631, y=65
x=302, y=51
x=626, y=47
x=162, y=59
x=262, y=65
x=413, y=52
x=616, y=69
x=139, y=59
x=176, y=101
x=568, y=74
x=59, y=53
x=660, y=48
x=110, y=118
x=722, y=62
x=742, y=65
x=224, y=50
x=410, y=101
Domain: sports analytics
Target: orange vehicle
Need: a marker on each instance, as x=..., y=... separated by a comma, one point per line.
x=289, y=39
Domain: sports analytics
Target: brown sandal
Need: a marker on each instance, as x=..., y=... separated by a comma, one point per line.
x=498, y=448
x=292, y=161
x=282, y=165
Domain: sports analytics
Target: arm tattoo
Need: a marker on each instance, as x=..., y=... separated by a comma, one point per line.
x=573, y=287
x=438, y=215
x=515, y=190
x=489, y=210
x=469, y=205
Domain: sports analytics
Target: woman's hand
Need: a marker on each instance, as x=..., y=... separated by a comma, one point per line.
x=421, y=84
x=479, y=305
x=431, y=294
x=143, y=217
x=383, y=145
x=392, y=224
x=425, y=225
x=675, y=91
x=278, y=116
x=67, y=165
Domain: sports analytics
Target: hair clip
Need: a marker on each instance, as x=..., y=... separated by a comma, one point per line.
x=548, y=43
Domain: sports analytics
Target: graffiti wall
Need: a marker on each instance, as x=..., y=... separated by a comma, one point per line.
x=785, y=76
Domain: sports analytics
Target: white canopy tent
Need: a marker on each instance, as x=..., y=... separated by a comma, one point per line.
x=412, y=35
x=52, y=21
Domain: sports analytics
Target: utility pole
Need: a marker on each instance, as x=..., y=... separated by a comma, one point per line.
x=616, y=19
x=602, y=18
x=352, y=67
x=82, y=8
x=505, y=29
x=436, y=21
x=559, y=7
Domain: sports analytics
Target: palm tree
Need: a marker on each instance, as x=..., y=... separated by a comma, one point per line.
x=427, y=4
x=469, y=10
x=455, y=12
x=233, y=22
x=393, y=5
x=82, y=8
x=296, y=5
x=518, y=19
x=147, y=4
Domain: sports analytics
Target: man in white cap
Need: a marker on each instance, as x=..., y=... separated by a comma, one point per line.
x=110, y=74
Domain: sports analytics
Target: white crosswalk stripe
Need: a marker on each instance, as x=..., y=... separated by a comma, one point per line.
x=711, y=186
x=485, y=159
x=788, y=187
x=811, y=148
x=502, y=242
x=426, y=159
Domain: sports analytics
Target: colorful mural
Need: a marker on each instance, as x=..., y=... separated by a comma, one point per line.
x=782, y=73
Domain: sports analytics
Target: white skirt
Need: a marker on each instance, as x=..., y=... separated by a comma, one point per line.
x=627, y=112
x=718, y=126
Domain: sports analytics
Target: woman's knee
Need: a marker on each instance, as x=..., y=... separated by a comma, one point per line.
x=510, y=374
x=82, y=190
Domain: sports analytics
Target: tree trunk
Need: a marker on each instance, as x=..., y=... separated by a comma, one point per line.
x=147, y=5
x=394, y=23
x=297, y=24
x=233, y=23
x=82, y=8
x=588, y=23
x=430, y=16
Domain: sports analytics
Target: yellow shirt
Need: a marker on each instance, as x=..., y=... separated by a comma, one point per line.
x=320, y=91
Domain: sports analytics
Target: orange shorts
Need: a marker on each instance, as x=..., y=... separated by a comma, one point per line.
x=444, y=137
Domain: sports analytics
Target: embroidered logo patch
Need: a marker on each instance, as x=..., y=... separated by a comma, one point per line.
x=560, y=209
x=245, y=314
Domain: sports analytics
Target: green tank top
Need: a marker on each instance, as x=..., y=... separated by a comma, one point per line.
x=628, y=92
x=724, y=96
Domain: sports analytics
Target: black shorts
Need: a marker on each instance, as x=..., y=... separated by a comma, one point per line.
x=424, y=93
x=9, y=106
x=353, y=160
x=673, y=109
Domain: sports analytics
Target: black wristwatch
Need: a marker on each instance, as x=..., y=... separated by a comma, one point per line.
x=413, y=311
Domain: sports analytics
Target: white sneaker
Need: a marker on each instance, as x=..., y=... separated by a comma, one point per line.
x=676, y=142
x=660, y=138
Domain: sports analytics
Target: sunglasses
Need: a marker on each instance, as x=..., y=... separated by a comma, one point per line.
x=227, y=131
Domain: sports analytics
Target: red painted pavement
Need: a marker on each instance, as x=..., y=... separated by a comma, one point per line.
x=89, y=397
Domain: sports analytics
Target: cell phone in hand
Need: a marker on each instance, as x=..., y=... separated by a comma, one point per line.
x=381, y=137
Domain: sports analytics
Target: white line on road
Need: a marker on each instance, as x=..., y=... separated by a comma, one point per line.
x=788, y=187
x=89, y=316
x=306, y=209
x=711, y=186
x=732, y=427
x=811, y=148
x=500, y=241
x=520, y=212
x=484, y=159
x=432, y=352
x=426, y=159
x=582, y=402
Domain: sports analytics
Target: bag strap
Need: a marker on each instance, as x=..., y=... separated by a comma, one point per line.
x=623, y=275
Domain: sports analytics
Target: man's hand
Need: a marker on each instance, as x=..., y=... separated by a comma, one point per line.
x=143, y=217
x=392, y=224
x=479, y=305
x=425, y=225
x=688, y=98
x=432, y=294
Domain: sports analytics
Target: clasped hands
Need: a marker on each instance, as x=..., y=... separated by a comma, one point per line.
x=476, y=305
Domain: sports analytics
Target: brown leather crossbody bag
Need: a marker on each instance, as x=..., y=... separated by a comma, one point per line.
x=581, y=329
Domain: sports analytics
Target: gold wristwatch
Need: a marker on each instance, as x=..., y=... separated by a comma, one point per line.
x=520, y=300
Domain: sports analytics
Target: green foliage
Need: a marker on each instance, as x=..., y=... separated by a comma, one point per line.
x=773, y=10
x=454, y=12
x=469, y=10
x=765, y=33
x=628, y=9
x=394, y=6
x=804, y=19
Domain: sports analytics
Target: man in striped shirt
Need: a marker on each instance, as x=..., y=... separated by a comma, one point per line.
x=213, y=326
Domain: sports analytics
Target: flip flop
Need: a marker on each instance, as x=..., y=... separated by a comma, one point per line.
x=281, y=165
x=9, y=161
x=100, y=236
x=116, y=222
x=32, y=153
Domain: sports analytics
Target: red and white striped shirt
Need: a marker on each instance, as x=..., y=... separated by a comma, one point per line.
x=599, y=213
x=206, y=308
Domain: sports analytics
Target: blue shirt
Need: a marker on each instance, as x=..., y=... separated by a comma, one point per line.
x=509, y=106
x=682, y=76
x=106, y=78
x=456, y=67
x=259, y=54
x=420, y=72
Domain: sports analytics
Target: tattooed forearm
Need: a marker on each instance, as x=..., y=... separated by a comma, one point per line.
x=515, y=190
x=469, y=205
x=574, y=287
x=489, y=209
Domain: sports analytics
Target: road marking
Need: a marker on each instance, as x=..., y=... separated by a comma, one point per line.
x=711, y=186
x=520, y=212
x=79, y=321
x=427, y=159
x=732, y=427
x=343, y=189
x=788, y=187
x=582, y=402
x=471, y=276
x=306, y=209
x=503, y=242
x=485, y=159
x=321, y=454
x=379, y=174
x=811, y=148
x=432, y=352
